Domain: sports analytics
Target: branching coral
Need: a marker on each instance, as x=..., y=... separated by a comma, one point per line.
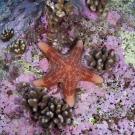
x=50, y=112
x=7, y=34
x=97, y=5
x=23, y=87
x=102, y=59
x=18, y=47
x=61, y=7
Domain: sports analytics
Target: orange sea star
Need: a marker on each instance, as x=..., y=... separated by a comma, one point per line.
x=67, y=70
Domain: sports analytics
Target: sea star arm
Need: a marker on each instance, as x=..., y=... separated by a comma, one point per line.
x=69, y=89
x=76, y=53
x=49, y=80
x=53, y=55
x=87, y=75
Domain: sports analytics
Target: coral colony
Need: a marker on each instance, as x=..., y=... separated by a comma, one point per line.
x=7, y=34
x=67, y=67
x=49, y=112
x=18, y=47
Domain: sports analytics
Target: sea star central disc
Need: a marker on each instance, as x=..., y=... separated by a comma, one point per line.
x=67, y=70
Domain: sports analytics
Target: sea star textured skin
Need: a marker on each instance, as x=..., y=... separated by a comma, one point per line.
x=67, y=70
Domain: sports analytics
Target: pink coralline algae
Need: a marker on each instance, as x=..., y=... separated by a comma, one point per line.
x=113, y=42
x=44, y=65
x=71, y=32
x=86, y=85
x=44, y=21
x=113, y=17
x=127, y=28
x=26, y=77
x=85, y=11
x=20, y=126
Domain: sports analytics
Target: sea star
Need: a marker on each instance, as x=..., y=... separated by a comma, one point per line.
x=67, y=70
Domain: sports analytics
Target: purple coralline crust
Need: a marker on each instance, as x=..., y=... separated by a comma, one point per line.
x=87, y=13
x=84, y=11
x=113, y=17
x=112, y=102
x=20, y=15
x=44, y=65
